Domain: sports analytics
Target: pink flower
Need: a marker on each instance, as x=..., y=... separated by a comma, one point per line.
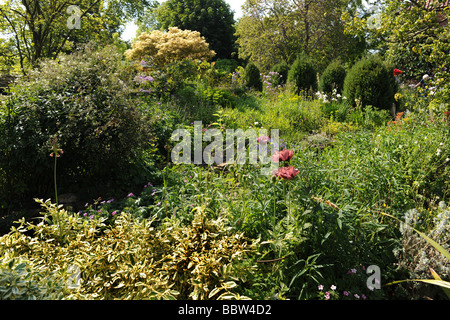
x=114, y=213
x=287, y=173
x=346, y=293
x=283, y=155
x=130, y=194
x=263, y=139
x=327, y=295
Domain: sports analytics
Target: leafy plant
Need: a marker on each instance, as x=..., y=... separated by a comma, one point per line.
x=333, y=77
x=302, y=75
x=252, y=77
x=370, y=82
x=84, y=101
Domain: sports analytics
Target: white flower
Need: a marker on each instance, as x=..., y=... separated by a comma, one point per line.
x=441, y=144
x=438, y=152
x=256, y=123
x=447, y=160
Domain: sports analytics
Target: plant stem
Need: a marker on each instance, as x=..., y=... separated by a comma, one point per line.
x=54, y=179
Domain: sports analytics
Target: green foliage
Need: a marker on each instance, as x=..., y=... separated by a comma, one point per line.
x=333, y=78
x=40, y=29
x=226, y=65
x=84, y=100
x=282, y=69
x=272, y=31
x=252, y=77
x=370, y=82
x=162, y=83
x=302, y=75
x=212, y=18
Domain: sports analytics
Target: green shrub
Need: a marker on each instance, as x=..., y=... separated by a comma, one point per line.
x=282, y=69
x=370, y=82
x=252, y=77
x=82, y=99
x=333, y=78
x=302, y=75
x=226, y=65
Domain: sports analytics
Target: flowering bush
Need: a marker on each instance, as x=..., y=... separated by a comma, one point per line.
x=162, y=48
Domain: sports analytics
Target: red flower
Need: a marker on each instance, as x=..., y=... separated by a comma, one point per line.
x=397, y=72
x=287, y=173
x=447, y=115
x=283, y=155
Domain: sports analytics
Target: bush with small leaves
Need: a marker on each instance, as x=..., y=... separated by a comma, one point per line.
x=252, y=77
x=370, y=82
x=84, y=100
x=282, y=70
x=302, y=75
x=333, y=78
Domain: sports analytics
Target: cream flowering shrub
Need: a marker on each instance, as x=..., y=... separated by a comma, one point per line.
x=160, y=48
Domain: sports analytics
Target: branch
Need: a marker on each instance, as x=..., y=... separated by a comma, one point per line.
x=70, y=31
x=16, y=35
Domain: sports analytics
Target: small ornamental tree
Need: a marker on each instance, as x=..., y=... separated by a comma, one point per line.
x=370, y=82
x=253, y=77
x=282, y=69
x=159, y=48
x=303, y=75
x=333, y=78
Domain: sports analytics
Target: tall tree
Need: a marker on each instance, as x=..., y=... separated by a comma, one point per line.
x=44, y=28
x=212, y=18
x=272, y=31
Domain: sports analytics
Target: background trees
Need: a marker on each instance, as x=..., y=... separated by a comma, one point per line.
x=274, y=31
x=212, y=18
x=39, y=28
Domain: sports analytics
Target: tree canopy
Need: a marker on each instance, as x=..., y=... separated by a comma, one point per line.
x=273, y=31
x=212, y=18
x=44, y=28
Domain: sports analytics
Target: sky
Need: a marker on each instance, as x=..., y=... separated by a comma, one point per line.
x=235, y=5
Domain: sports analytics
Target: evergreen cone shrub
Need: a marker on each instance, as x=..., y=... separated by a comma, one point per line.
x=303, y=75
x=371, y=82
x=333, y=78
x=252, y=77
x=282, y=69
